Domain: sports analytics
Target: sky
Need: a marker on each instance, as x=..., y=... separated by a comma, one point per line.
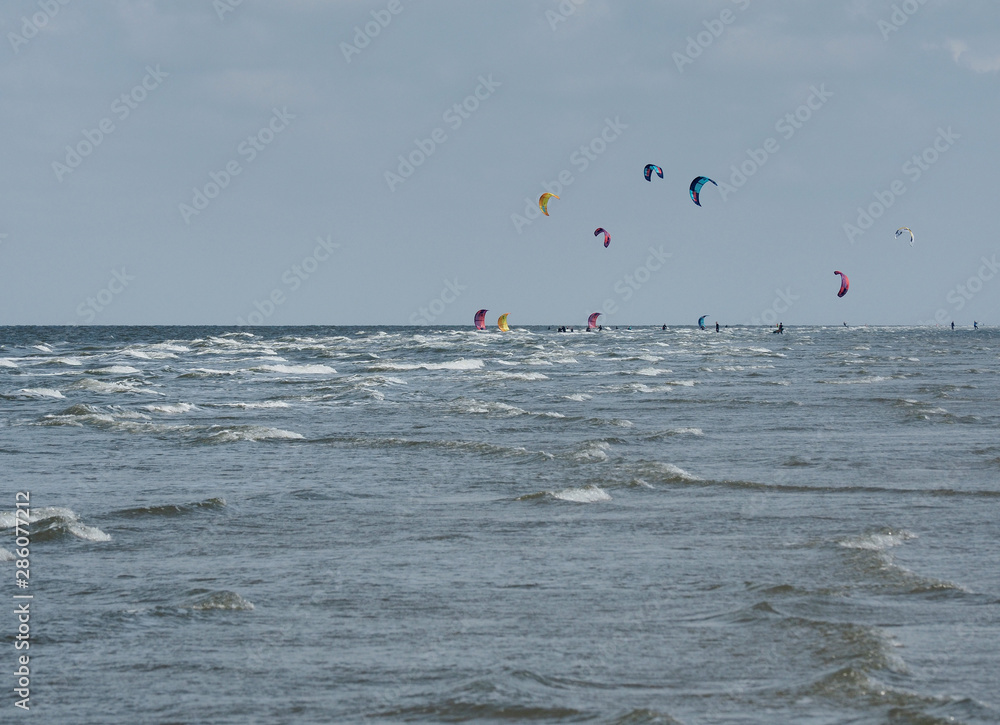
x=348, y=162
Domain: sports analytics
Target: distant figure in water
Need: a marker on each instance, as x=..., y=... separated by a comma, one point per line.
x=953, y=324
x=781, y=329
x=845, y=324
x=664, y=327
x=600, y=327
x=716, y=326
x=975, y=325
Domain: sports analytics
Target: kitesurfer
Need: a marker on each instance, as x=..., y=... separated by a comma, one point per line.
x=716, y=326
x=953, y=324
x=664, y=327
x=781, y=329
x=975, y=325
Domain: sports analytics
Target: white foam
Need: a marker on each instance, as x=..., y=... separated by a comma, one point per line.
x=461, y=364
x=100, y=386
x=296, y=369
x=174, y=408
x=670, y=471
x=251, y=406
x=41, y=392
x=594, y=451
x=6, y=555
x=6, y=362
x=253, y=433
x=115, y=370
x=587, y=494
x=578, y=397
x=878, y=541
x=65, y=361
x=88, y=533
x=519, y=376
x=686, y=431
x=203, y=372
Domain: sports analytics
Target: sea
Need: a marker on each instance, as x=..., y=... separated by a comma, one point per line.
x=438, y=524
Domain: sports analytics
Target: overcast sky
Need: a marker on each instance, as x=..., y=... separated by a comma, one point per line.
x=178, y=162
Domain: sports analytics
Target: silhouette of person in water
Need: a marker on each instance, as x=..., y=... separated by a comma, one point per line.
x=716, y=326
x=664, y=327
x=781, y=329
x=953, y=324
x=975, y=325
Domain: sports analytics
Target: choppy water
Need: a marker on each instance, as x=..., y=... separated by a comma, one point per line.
x=416, y=524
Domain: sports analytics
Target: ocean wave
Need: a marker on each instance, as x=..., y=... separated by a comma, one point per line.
x=171, y=408
x=6, y=362
x=264, y=404
x=41, y=393
x=586, y=494
x=53, y=522
x=665, y=472
x=878, y=541
x=172, y=509
x=102, y=386
x=296, y=369
x=232, y=434
x=114, y=370
x=461, y=364
x=501, y=375
x=225, y=600
x=593, y=451
x=206, y=373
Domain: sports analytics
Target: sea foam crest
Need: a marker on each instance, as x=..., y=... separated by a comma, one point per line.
x=586, y=494
x=878, y=541
x=41, y=393
x=251, y=433
x=296, y=369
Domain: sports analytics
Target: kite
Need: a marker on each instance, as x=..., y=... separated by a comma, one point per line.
x=481, y=319
x=607, y=237
x=701, y=321
x=845, y=284
x=502, y=322
x=543, y=202
x=899, y=232
x=648, y=171
x=592, y=321
x=696, y=185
